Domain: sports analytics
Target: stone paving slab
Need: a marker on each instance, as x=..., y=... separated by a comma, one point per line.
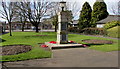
x=73, y=57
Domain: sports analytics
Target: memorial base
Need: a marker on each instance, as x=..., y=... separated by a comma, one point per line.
x=57, y=46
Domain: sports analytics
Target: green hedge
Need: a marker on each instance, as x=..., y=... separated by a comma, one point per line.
x=94, y=31
x=111, y=24
x=72, y=29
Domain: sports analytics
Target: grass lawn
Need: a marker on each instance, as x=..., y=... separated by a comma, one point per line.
x=37, y=52
x=104, y=47
x=114, y=32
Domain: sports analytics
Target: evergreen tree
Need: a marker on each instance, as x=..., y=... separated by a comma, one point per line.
x=99, y=12
x=85, y=16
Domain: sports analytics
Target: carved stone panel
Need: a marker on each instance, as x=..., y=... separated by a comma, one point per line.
x=62, y=17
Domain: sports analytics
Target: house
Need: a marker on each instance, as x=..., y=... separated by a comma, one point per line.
x=47, y=23
x=74, y=23
x=18, y=26
x=1, y=30
x=2, y=27
x=110, y=18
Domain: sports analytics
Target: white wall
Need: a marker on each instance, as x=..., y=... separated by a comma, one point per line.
x=100, y=25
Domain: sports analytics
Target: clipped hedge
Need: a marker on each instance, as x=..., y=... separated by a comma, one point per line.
x=94, y=31
x=111, y=24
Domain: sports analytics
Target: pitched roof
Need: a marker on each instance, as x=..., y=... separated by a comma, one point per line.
x=75, y=22
x=109, y=19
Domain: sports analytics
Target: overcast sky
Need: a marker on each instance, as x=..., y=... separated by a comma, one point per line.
x=110, y=4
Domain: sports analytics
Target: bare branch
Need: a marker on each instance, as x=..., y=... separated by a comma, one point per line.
x=34, y=10
x=7, y=12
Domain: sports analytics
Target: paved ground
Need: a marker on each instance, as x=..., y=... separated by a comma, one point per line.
x=73, y=57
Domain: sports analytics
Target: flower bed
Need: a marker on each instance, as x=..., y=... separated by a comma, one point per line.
x=53, y=42
x=71, y=42
x=44, y=45
x=84, y=45
x=15, y=49
x=96, y=41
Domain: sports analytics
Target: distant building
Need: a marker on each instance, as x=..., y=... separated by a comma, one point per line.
x=74, y=23
x=47, y=23
x=110, y=18
x=2, y=27
x=16, y=25
x=1, y=30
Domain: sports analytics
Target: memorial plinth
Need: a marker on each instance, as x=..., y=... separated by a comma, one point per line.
x=53, y=46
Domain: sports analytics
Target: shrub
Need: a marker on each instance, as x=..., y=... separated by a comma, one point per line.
x=111, y=24
x=72, y=29
x=94, y=31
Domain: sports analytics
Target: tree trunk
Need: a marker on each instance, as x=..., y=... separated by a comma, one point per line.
x=10, y=29
x=36, y=29
x=23, y=26
x=55, y=28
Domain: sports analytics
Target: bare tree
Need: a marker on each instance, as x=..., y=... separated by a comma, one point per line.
x=7, y=13
x=54, y=16
x=55, y=21
x=74, y=8
x=20, y=15
x=23, y=20
x=34, y=11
